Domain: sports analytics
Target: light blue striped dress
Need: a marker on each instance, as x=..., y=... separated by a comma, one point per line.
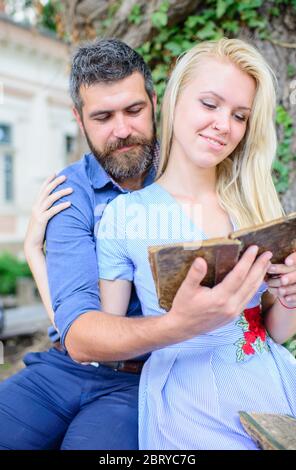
x=190, y=393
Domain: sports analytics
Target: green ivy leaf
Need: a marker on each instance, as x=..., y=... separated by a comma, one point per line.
x=193, y=21
x=159, y=19
x=135, y=15
x=259, y=345
x=240, y=355
x=221, y=8
x=175, y=48
x=231, y=26
x=208, y=31
x=291, y=346
x=159, y=73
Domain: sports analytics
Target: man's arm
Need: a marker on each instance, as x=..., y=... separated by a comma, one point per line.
x=98, y=336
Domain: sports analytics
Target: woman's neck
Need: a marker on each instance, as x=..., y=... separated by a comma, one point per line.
x=185, y=178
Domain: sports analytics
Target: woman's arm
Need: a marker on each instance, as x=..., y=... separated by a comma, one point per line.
x=34, y=240
x=280, y=321
x=279, y=302
x=115, y=296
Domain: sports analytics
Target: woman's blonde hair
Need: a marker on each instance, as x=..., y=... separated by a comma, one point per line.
x=244, y=183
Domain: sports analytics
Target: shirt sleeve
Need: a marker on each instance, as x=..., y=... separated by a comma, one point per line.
x=71, y=259
x=112, y=255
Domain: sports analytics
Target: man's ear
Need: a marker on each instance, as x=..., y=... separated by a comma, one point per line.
x=78, y=119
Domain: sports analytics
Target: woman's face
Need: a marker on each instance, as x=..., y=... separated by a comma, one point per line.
x=212, y=112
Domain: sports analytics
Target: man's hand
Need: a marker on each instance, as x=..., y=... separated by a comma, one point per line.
x=197, y=309
x=284, y=284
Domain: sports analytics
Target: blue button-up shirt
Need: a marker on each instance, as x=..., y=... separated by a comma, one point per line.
x=71, y=244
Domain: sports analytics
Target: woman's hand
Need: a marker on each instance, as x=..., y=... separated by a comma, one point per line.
x=284, y=284
x=43, y=211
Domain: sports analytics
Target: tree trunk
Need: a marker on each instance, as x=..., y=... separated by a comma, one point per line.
x=82, y=19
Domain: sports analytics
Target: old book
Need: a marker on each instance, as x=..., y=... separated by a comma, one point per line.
x=270, y=431
x=170, y=263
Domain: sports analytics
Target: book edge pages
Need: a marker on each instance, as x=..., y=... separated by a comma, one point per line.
x=196, y=245
x=256, y=228
x=153, y=266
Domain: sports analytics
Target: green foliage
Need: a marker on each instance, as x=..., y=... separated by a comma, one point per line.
x=212, y=20
x=291, y=70
x=46, y=11
x=291, y=345
x=135, y=15
x=284, y=155
x=215, y=19
x=11, y=269
x=160, y=18
x=48, y=17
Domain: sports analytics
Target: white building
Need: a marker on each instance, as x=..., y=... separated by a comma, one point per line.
x=37, y=130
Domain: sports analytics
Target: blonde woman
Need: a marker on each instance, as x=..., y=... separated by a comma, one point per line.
x=218, y=144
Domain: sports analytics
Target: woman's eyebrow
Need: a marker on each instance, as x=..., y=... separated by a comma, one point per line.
x=223, y=99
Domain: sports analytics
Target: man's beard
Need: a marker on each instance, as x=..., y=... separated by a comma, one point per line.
x=127, y=164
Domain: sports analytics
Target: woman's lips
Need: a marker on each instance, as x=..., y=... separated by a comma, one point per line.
x=213, y=143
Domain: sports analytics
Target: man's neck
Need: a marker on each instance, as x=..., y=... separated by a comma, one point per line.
x=133, y=184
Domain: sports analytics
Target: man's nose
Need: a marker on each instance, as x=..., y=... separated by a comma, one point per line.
x=122, y=127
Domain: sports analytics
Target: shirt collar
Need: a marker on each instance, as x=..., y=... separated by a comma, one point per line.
x=96, y=173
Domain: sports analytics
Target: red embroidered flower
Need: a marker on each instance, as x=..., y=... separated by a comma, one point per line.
x=250, y=337
x=254, y=331
x=251, y=314
x=247, y=348
x=262, y=334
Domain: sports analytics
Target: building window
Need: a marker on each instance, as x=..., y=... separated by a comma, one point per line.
x=8, y=178
x=6, y=164
x=70, y=144
x=69, y=148
x=5, y=134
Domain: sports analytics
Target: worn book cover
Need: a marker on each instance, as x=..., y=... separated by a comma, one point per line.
x=170, y=263
x=270, y=431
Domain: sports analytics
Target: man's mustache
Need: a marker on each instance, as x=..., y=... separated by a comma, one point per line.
x=121, y=143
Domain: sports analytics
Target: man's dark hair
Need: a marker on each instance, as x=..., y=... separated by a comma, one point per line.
x=108, y=61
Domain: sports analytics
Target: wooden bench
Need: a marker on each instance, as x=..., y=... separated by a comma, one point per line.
x=270, y=431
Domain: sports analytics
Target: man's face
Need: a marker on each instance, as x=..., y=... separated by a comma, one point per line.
x=118, y=123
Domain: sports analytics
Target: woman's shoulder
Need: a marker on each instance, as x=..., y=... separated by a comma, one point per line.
x=123, y=201
x=140, y=196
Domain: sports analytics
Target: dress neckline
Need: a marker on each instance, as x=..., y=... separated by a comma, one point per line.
x=175, y=201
